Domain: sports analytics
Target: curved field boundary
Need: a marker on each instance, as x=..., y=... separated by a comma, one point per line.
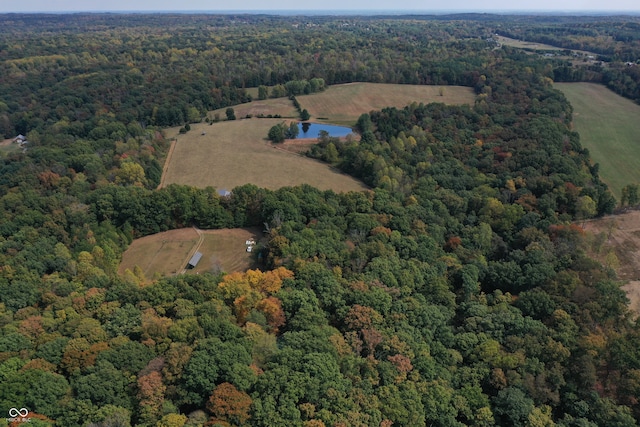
x=609, y=127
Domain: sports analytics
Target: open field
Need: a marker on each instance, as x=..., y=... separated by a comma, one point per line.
x=163, y=253
x=621, y=234
x=343, y=104
x=524, y=44
x=167, y=253
x=537, y=46
x=276, y=106
x=233, y=153
x=609, y=127
x=227, y=154
x=7, y=146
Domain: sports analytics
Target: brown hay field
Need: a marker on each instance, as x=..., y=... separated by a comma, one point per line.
x=234, y=153
x=225, y=250
x=164, y=253
x=167, y=253
x=343, y=104
x=227, y=154
x=276, y=106
x=620, y=234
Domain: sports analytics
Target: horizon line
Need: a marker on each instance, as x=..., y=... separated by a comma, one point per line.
x=368, y=12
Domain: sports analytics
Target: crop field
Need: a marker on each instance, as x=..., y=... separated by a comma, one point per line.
x=343, y=104
x=167, y=253
x=609, y=127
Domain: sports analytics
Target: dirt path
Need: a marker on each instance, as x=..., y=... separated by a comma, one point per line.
x=194, y=250
x=167, y=162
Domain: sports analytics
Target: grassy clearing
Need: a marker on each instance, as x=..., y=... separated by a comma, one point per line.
x=620, y=235
x=225, y=250
x=167, y=253
x=524, y=44
x=609, y=127
x=7, y=146
x=162, y=253
x=539, y=46
x=233, y=153
x=280, y=106
x=343, y=104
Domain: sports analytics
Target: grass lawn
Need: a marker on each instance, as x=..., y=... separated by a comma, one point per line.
x=609, y=126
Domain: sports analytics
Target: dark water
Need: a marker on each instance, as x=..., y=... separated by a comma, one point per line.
x=311, y=130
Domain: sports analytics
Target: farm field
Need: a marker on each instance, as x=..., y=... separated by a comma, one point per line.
x=609, y=127
x=621, y=234
x=227, y=154
x=343, y=104
x=280, y=106
x=233, y=153
x=537, y=46
x=164, y=253
x=167, y=253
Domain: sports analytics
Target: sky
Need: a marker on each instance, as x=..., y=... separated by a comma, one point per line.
x=327, y=5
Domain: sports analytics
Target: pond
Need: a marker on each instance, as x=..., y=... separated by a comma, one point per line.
x=311, y=130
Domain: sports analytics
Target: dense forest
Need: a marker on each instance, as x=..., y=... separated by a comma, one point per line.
x=458, y=291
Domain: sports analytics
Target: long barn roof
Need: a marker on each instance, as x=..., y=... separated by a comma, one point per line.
x=195, y=259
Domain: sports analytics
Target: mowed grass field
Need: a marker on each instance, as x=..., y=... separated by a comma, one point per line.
x=609, y=126
x=234, y=153
x=163, y=253
x=167, y=253
x=343, y=104
x=280, y=106
x=227, y=154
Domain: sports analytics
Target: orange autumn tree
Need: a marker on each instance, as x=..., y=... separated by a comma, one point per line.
x=229, y=404
x=151, y=395
x=253, y=290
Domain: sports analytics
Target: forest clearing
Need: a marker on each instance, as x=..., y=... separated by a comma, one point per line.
x=608, y=126
x=343, y=104
x=167, y=253
x=231, y=153
x=620, y=235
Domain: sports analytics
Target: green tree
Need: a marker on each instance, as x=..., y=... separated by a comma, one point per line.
x=585, y=208
x=263, y=92
x=304, y=115
x=231, y=114
x=277, y=133
x=292, y=131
